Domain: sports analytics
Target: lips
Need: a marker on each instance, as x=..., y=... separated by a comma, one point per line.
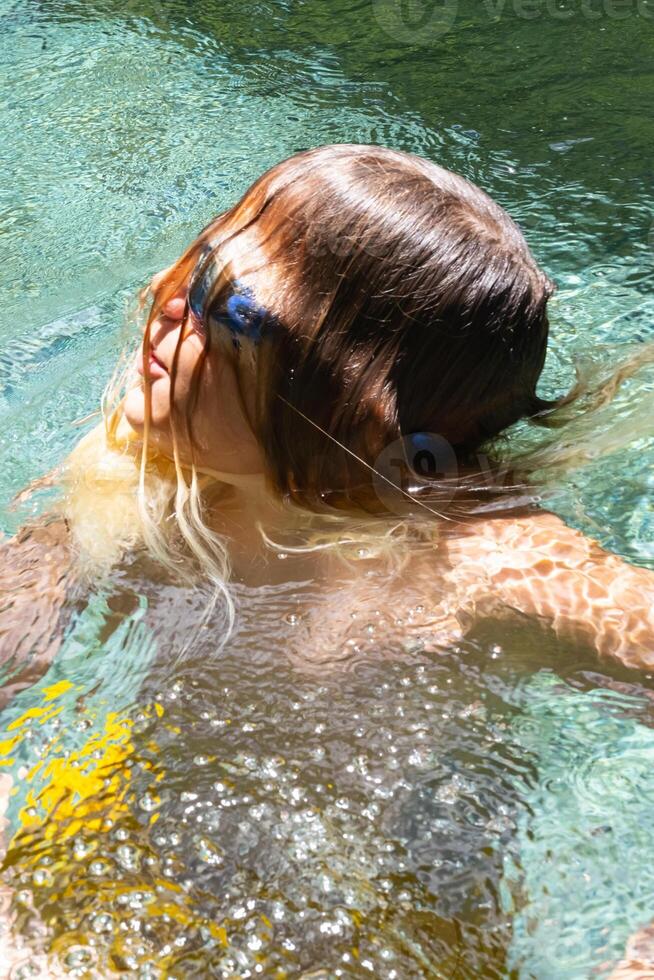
x=156, y=368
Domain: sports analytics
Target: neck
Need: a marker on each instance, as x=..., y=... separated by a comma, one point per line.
x=243, y=505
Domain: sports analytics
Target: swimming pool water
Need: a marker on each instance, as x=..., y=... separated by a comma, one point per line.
x=232, y=816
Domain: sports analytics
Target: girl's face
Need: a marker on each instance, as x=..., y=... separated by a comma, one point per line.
x=219, y=401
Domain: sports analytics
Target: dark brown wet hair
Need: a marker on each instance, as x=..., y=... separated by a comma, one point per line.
x=410, y=303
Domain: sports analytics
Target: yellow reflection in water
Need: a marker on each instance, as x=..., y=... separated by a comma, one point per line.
x=61, y=861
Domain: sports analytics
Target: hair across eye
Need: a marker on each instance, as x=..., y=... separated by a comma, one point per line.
x=237, y=310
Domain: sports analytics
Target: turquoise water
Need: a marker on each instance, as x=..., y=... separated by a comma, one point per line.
x=434, y=819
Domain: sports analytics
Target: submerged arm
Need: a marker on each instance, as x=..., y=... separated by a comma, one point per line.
x=542, y=568
x=36, y=566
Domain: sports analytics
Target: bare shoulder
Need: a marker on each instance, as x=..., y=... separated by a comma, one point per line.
x=37, y=557
x=47, y=532
x=539, y=566
x=536, y=538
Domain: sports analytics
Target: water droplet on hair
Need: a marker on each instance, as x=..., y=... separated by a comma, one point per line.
x=292, y=619
x=282, y=555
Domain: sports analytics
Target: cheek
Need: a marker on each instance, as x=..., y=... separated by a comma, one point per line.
x=208, y=409
x=134, y=408
x=222, y=435
x=160, y=402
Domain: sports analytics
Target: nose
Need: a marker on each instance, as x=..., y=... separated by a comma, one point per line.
x=174, y=308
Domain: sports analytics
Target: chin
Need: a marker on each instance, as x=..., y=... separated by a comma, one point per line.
x=134, y=409
x=134, y=415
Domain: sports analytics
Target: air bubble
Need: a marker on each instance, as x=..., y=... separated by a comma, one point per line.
x=42, y=877
x=331, y=928
x=78, y=957
x=102, y=922
x=148, y=802
x=26, y=970
x=208, y=852
x=448, y=794
x=128, y=857
x=99, y=867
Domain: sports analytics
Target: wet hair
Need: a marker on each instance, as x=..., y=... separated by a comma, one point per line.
x=409, y=303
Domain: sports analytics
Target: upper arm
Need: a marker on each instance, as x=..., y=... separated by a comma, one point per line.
x=543, y=568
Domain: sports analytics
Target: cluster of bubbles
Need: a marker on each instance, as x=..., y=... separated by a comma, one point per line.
x=277, y=826
x=388, y=819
